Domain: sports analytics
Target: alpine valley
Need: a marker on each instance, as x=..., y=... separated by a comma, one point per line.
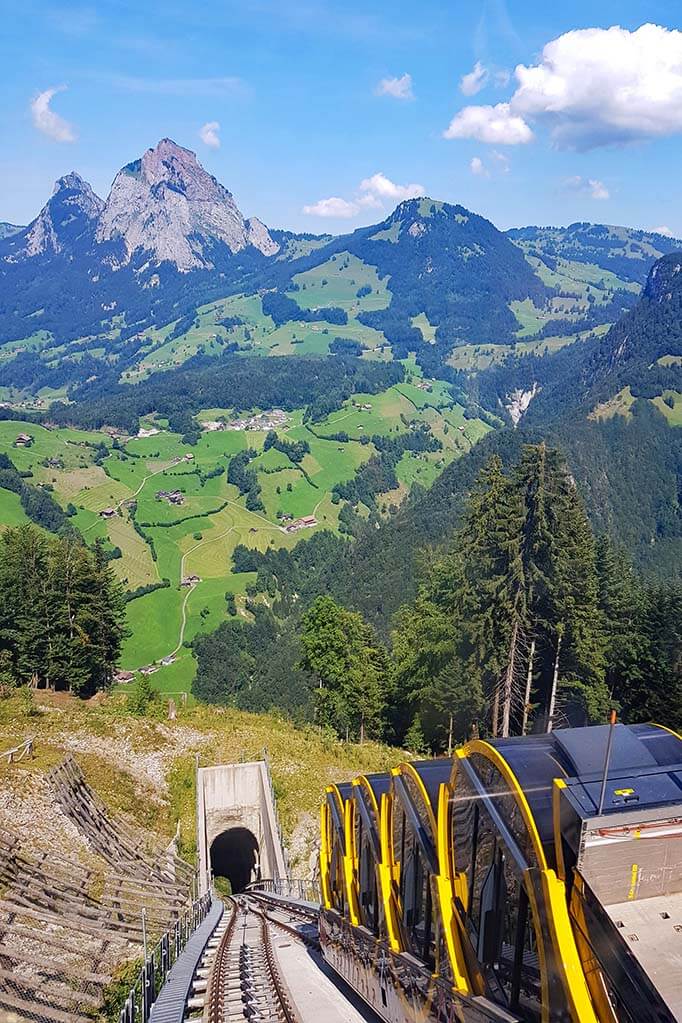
x=240, y=418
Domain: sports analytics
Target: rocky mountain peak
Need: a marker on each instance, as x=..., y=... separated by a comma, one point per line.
x=166, y=204
x=68, y=217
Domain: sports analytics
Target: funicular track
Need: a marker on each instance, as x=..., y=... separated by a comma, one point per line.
x=245, y=982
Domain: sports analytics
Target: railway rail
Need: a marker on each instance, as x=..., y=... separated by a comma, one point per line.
x=245, y=982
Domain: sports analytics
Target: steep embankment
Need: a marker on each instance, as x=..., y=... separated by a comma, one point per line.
x=143, y=767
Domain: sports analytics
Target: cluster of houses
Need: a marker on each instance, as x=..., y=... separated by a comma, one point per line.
x=271, y=420
x=365, y=407
x=172, y=496
x=294, y=525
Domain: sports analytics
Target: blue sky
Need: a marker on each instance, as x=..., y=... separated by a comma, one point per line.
x=315, y=98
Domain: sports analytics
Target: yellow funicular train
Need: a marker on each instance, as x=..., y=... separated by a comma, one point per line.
x=518, y=880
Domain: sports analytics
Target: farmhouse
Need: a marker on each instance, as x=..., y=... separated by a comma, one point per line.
x=149, y=669
x=124, y=676
x=166, y=661
x=213, y=425
x=307, y=522
x=24, y=440
x=172, y=496
x=107, y=513
x=189, y=456
x=151, y=432
x=190, y=580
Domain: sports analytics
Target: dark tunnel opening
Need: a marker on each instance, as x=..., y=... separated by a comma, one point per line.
x=235, y=855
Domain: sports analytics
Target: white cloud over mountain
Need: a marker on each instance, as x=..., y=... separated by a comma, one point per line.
x=209, y=134
x=371, y=194
x=47, y=121
x=588, y=186
x=592, y=87
x=496, y=125
x=478, y=168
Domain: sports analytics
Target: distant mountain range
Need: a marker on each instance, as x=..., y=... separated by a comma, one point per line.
x=574, y=334
x=169, y=238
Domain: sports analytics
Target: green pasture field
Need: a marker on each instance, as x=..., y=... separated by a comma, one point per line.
x=674, y=414
x=336, y=283
x=11, y=512
x=199, y=536
x=428, y=331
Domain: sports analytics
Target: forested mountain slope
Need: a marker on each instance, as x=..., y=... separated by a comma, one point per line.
x=627, y=461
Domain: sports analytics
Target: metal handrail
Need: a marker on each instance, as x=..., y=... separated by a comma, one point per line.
x=157, y=965
x=288, y=888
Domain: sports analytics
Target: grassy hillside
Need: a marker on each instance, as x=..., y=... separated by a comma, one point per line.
x=143, y=767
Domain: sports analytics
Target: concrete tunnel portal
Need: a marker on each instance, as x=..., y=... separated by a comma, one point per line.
x=237, y=829
x=235, y=855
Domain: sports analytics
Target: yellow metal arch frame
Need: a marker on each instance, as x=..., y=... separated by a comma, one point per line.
x=360, y=783
x=332, y=795
x=389, y=872
x=562, y=951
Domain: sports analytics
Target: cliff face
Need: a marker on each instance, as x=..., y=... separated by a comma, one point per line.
x=167, y=205
x=67, y=220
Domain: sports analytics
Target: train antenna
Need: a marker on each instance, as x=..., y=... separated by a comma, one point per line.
x=607, y=758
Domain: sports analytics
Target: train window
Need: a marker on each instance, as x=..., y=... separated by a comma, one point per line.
x=415, y=893
x=499, y=922
x=337, y=882
x=367, y=879
x=506, y=804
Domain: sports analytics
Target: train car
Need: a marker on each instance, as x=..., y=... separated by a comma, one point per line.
x=519, y=882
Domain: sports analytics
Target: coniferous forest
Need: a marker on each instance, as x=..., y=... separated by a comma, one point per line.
x=62, y=613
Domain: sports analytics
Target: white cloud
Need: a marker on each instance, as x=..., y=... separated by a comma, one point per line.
x=45, y=119
x=662, y=230
x=478, y=168
x=496, y=125
x=473, y=82
x=591, y=87
x=371, y=194
x=588, y=186
x=334, y=206
x=398, y=88
x=502, y=78
x=209, y=134
x=382, y=187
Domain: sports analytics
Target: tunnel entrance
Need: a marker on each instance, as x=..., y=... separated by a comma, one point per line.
x=235, y=855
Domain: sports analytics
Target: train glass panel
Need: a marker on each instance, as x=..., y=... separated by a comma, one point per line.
x=492, y=898
x=365, y=799
x=507, y=804
x=414, y=848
